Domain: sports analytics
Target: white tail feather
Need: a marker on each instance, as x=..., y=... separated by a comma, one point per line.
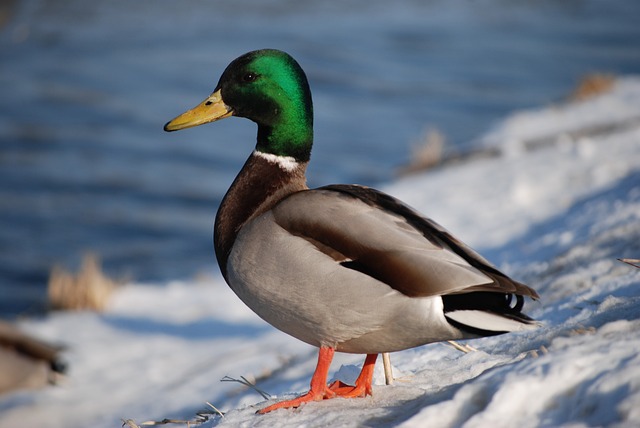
x=487, y=321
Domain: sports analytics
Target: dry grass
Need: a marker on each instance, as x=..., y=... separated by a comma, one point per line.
x=89, y=289
x=243, y=381
x=7, y=11
x=592, y=85
x=427, y=153
x=466, y=348
x=632, y=262
x=201, y=417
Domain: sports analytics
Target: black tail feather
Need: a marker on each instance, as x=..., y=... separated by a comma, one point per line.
x=505, y=305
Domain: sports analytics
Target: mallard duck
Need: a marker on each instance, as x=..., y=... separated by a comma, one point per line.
x=345, y=268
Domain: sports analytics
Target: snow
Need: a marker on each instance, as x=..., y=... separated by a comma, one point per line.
x=556, y=210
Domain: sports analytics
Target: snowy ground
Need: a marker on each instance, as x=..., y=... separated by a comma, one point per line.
x=556, y=210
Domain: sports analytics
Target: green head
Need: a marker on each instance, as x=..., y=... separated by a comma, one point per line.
x=270, y=88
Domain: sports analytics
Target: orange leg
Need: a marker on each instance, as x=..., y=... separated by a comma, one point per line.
x=319, y=389
x=362, y=387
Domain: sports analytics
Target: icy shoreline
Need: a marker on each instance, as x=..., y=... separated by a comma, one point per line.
x=557, y=217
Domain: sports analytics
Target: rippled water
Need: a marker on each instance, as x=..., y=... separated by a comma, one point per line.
x=88, y=85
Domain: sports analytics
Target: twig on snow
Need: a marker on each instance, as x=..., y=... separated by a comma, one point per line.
x=245, y=382
x=201, y=417
x=463, y=348
x=632, y=262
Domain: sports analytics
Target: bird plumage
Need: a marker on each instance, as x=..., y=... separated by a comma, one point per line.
x=343, y=267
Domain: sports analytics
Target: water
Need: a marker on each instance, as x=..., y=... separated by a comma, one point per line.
x=87, y=87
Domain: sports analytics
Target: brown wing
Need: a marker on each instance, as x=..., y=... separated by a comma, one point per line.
x=371, y=232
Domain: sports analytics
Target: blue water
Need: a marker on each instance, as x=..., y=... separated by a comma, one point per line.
x=88, y=85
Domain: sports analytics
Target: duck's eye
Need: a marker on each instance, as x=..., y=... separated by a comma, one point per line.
x=249, y=77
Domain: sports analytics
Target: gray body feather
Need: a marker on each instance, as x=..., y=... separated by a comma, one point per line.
x=333, y=269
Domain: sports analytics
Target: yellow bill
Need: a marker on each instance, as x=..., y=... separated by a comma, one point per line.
x=210, y=110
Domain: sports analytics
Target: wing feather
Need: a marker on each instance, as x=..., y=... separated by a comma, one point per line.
x=376, y=234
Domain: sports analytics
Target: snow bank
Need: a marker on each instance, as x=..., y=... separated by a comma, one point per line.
x=555, y=212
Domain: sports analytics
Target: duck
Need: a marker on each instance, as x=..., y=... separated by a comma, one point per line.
x=344, y=268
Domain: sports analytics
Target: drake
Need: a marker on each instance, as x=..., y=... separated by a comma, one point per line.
x=344, y=268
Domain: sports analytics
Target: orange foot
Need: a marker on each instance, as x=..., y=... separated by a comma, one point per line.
x=319, y=390
x=362, y=388
x=296, y=402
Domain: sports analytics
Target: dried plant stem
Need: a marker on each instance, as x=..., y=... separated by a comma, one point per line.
x=388, y=373
x=245, y=382
x=201, y=417
x=463, y=348
x=89, y=289
x=632, y=262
